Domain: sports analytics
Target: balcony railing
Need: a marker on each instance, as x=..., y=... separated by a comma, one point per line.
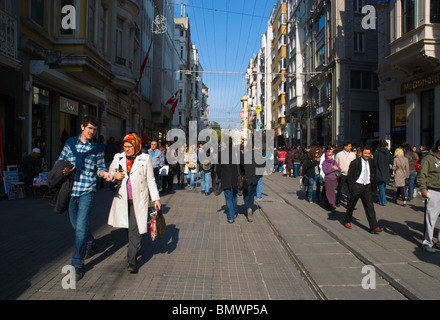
x=8, y=35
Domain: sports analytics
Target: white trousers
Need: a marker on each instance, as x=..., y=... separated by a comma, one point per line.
x=432, y=211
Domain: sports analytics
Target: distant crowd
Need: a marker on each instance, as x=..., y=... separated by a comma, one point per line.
x=330, y=174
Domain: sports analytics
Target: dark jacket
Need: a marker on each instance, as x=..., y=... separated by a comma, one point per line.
x=60, y=185
x=227, y=172
x=354, y=172
x=309, y=167
x=382, y=159
x=250, y=170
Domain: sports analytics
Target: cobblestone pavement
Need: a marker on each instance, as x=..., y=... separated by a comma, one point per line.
x=202, y=257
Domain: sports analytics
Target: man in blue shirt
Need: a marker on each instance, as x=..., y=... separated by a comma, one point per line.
x=158, y=161
x=87, y=156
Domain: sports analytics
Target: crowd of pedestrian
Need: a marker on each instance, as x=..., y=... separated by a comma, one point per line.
x=136, y=172
x=356, y=172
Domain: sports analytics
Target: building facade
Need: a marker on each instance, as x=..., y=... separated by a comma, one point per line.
x=60, y=65
x=409, y=72
x=341, y=81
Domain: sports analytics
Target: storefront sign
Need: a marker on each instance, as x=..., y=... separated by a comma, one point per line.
x=399, y=123
x=427, y=81
x=69, y=106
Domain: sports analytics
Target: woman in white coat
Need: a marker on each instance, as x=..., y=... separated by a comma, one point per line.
x=131, y=202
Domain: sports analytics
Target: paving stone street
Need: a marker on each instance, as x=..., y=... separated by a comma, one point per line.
x=293, y=250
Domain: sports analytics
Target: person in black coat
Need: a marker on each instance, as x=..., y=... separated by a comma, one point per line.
x=311, y=171
x=382, y=160
x=227, y=172
x=362, y=184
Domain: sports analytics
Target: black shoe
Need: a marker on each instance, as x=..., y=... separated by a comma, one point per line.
x=90, y=251
x=333, y=210
x=132, y=268
x=79, y=273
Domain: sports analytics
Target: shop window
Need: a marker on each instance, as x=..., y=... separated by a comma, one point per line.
x=41, y=122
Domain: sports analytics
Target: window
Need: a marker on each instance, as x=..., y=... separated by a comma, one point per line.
x=37, y=11
x=102, y=23
x=357, y=6
x=321, y=23
x=321, y=56
x=408, y=15
x=435, y=11
x=91, y=22
x=282, y=64
x=180, y=117
x=282, y=20
x=283, y=41
x=364, y=80
x=119, y=37
x=359, y=42
x=282, y=88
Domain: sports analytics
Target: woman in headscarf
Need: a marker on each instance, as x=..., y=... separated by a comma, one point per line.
x=131, y=201
x=329, y=167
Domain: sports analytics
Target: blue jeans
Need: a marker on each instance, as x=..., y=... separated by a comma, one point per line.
x=205, y=180
x=382, y=187
x=79, y=210
x=412, y=179
x=249, y=196
x=231, y=203
x=259, y=187
x=296, y=169
x=280, y=166
x=317, y=179
x=190, y=177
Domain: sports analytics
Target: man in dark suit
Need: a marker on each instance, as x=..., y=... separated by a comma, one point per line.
x=362, y=184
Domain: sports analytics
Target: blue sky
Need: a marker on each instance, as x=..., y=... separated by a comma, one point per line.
x=227, y=34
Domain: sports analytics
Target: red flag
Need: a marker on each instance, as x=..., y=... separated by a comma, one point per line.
x=144, y=63
x=173, y=101
x=173, y=108
x=173, y=98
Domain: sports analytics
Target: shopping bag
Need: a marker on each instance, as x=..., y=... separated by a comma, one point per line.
x=157, y=224
x=153, y=226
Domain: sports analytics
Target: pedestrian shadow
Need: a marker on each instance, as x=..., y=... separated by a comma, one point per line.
x=409, y=230
x=107, y=246
x=165, y=245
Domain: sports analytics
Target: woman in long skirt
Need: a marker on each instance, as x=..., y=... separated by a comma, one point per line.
x=329, y=167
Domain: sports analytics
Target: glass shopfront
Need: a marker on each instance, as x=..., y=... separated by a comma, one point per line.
x=41, y=123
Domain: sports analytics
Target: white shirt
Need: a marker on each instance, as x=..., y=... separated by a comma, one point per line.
x=343, y=159
x=364, y=178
